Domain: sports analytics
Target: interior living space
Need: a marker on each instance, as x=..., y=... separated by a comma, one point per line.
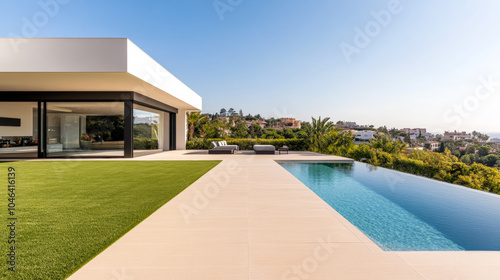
x=84, y=97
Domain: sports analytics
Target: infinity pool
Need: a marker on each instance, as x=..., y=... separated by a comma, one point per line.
x=403, y=212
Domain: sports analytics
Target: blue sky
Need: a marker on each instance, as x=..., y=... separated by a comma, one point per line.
x=433, y=64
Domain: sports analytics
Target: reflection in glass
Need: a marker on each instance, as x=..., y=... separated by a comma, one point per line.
x=85, y=129
x=148, y=132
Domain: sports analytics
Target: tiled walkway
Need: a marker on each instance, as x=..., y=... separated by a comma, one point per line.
x=248, y=218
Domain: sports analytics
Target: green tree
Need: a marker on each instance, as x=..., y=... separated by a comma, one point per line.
x=215, y=129
x=255, y=130
x=394, y=132
x=483, y=150
x=407, y=139
x=441, y=147
x=288, y=133
x=383, y=129
x=470, y=150
x=272, y=122
x=240, y=130
x=466, y=159
x=490, y=160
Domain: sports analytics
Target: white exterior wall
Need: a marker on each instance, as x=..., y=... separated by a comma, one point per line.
x=64, y=55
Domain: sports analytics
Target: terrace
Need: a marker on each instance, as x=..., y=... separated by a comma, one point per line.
x=248, y=218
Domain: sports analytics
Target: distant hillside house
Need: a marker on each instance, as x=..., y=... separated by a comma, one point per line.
x=455, y=135
x=261, y=123
x=417, y=132
x=364, y=135
x=434, y=146
x=285, y=123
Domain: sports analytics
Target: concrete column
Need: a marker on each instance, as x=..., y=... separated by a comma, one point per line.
x=181, y=130
x=166, y=131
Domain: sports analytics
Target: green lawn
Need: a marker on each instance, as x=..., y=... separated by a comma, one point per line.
x=69, y=211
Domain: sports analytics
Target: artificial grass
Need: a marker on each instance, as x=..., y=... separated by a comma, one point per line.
x=69, y=211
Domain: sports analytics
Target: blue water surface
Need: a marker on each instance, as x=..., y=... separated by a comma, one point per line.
x=403, y=212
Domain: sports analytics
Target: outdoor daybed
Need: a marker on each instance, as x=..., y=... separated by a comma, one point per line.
x=264, y=149
x=222, y=147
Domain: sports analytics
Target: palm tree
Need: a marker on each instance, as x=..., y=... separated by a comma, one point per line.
x=319, y=130
x=194, y=119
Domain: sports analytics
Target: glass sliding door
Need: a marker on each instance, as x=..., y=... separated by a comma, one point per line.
x=19, y=130
x=148, y=130
x=83, y=129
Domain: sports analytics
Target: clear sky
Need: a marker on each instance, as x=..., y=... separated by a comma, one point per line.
x=420, y=63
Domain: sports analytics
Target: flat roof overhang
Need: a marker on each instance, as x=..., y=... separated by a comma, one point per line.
x=80, y=66
x=78, y=84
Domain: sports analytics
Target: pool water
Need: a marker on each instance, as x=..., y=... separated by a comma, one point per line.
x=403, y=212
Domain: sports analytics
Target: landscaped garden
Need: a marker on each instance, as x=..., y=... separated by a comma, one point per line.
x=69, y=211
x=479, y=170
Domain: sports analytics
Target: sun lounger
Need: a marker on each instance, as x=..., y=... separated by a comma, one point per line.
x=221, y=147
x=264, y=149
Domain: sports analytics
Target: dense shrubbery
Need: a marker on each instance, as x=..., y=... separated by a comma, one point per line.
x=247, y=144
x=143, y=143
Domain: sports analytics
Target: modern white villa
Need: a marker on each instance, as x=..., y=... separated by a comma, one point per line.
x=83, y=97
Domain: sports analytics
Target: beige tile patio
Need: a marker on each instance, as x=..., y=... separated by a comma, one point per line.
x=251, y=219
